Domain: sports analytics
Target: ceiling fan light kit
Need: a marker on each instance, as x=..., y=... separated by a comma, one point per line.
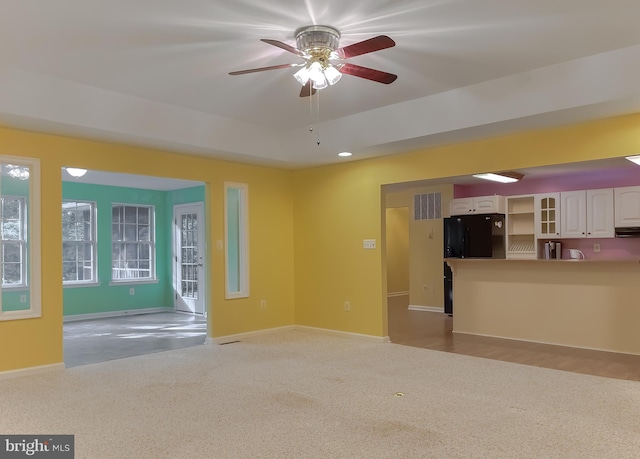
x=319, y=46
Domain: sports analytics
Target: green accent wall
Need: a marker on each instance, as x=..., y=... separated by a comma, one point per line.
x=104, y=298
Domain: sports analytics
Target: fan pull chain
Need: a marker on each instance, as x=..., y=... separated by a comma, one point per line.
x=318, y=118
x=310, y=109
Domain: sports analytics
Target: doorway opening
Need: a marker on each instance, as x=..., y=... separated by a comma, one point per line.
x=119, y=285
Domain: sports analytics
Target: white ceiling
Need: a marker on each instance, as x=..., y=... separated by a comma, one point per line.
x=155, y=72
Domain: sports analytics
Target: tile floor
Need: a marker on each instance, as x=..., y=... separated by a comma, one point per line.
x=99, y=340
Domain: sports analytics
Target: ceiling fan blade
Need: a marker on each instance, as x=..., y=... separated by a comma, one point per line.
x=366, y=46
x=262, y=69
x=307, y=90
x=284, y=46
x=369, y=74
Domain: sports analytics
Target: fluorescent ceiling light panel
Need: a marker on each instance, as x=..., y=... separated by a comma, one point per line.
x=634, y=159
x=502, y=177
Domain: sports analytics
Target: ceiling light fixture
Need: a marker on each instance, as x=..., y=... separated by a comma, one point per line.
x=502, y=177
x=344, y=154
x=634, y=159
x=75, y=172
x=318, y=45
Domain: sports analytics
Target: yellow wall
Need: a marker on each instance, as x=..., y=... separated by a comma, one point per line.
x=33, y=342
x=397, y=240
x=337, y=206
x=326, y=211
x=426, y=242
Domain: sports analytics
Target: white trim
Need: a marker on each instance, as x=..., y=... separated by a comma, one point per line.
x=29, y=371
x=394, y=294
x=413, y=307
x=103, y=315
x=243, y=241
x=81, y=284
x=241, y=336
x=34, y=240
x=327, y=331
x=133, y=282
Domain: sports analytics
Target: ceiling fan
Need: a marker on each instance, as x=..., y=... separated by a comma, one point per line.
x=324, y=61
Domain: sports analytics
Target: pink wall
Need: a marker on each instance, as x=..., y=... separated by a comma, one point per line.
x=603, y=178
x=610, y=248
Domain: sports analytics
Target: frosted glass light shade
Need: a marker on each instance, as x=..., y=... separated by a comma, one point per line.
x=75, y=172
x=332, y=74
x=302, y=75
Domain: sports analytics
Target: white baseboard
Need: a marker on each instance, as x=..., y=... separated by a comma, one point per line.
x=413, y=307
x=393, y=294
x=241, y=336
x=103, y=315
x=31, y=371
x=377, y=339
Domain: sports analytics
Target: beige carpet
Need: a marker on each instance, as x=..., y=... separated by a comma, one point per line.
x=303, y=394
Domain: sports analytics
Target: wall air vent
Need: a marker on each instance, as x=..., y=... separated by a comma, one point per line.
x=427, y=206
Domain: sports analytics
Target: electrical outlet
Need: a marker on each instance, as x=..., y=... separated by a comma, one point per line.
x=23, y=298
x=596, y=247
x=347, y=306
x=368, y=243
x=132, y=291
x=263, y=304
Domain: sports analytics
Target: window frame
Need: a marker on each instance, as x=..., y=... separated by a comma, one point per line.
x=23, y=241
x=241, y=219
x=33, y=237
x=93, y=241
x=151, y=242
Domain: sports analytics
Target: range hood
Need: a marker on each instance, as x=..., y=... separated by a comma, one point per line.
x=630, y=231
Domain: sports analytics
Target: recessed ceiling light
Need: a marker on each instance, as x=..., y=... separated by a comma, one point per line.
x=344, y=154
x=634, y=159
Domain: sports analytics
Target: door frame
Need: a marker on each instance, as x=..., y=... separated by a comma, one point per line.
x=202, y=246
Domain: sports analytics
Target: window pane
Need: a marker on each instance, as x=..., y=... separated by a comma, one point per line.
x=133, y=260
x=236, y=263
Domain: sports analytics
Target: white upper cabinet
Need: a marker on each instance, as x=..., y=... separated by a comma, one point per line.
x=627, y=206
x=477, y=205
x=573, y=205
x=600, y=213
x=547, y=215
x=587, y=213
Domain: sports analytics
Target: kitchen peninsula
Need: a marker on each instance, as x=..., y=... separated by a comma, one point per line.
x=591, y=304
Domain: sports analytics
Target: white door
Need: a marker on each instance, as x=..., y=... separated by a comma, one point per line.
x=188, y=256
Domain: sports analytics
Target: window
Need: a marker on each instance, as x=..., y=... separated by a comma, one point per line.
x=78, y=242
x=236, y=237
x=20, y=255
x=133, y=248
x=14, y=241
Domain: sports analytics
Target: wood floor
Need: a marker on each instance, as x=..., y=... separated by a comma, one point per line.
x=433, y=330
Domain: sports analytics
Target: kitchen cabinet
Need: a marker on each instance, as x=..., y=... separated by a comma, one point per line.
x=587, y=213
x=627, y=206
x=521, y=238
x=477, y=205
x=547, y=215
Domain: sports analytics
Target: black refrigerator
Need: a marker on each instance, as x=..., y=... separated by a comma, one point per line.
x=471, y=236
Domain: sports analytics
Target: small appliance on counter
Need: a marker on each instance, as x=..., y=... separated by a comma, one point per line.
x=552, y=250
x=576, y=254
